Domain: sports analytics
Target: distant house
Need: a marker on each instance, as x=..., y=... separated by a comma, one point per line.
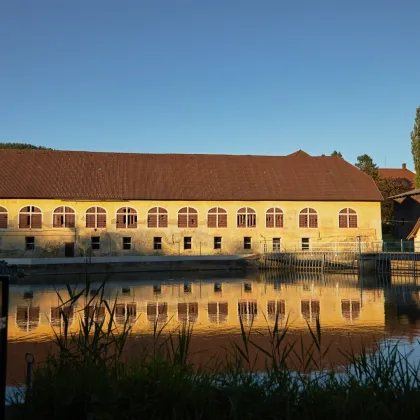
x=77, y=203
x=406, y=213
x=398, y=173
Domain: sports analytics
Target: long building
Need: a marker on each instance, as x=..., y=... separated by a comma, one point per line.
x=64, y=203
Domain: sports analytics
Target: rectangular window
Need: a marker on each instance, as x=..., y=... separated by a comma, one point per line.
x=276, y=244
x=247, y=242
x=127, y=243
x=217, y=242
x=305, y=244
x=187, y=242
x=157, y=242
x=30, y=243
x=96, y=242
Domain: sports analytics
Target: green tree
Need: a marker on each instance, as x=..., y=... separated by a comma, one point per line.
x=415, y=146
x=335, y=153
x=22, y=146
x=365, y=163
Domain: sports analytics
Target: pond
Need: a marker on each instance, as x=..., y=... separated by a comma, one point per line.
x=352, y=311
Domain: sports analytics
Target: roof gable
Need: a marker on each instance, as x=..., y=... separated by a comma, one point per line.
x=117, y=176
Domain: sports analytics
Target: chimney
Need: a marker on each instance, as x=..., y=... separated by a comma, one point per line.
x=404, y=166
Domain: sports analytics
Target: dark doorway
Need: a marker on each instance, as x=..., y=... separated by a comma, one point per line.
x=69, y=249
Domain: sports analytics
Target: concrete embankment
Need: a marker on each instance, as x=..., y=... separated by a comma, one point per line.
x=107, y=265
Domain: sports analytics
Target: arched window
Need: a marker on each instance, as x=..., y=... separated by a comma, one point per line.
x=157, y=217
x=246, y=217
x=64, y=217
x=350, y=309
x=274, y=218
x=126, y=218
x=308, y=218
x=3, y=218
x=188, y=218
x=217, y=218
x=96, y=217
x=27, y=317
x=347, y=218
x=30, y=217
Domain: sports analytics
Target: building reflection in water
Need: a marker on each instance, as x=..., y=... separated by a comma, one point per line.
x=212, y=305
x=352, y=313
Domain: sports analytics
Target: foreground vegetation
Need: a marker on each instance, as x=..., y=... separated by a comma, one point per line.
x=90, y=378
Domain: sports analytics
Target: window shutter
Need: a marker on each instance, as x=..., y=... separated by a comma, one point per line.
x=36, y=222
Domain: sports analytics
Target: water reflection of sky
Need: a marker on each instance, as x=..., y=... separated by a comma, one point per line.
x=347, y=307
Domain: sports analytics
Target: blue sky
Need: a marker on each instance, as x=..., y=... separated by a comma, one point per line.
x=220, y=76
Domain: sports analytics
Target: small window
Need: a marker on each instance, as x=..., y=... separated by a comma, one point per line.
x=217, y=242
x=187, y=287
x=29, y=243
x=187, y=242
x=308, y=218
x=247, y=242
x=274, y=218
x=217, y=287
x=217, y=218
x=157, y=217
x=127, y=243
x=3, y=218
x=157, y=289
x=305, y=244
x=187, y=218
x=126, y=218
x=157, y=242
x=247, y=287
x=276, y=244
x=347, y=218
x=246, y=218
x=96, y=242
x=64, y=217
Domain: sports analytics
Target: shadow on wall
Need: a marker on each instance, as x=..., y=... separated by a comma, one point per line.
x=34, y=243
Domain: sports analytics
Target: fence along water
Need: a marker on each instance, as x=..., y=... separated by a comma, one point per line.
x=378, y=257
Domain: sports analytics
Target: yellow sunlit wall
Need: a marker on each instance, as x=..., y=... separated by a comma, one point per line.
x=50, y=241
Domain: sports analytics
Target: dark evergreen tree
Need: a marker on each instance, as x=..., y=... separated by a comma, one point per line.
x=365, y=163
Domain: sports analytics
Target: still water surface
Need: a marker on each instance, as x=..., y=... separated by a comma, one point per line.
x=351, y=311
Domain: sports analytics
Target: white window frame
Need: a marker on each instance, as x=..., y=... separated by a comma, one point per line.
x=246, y=217
x=308, y=214
x=157, y=214
x=217, y=217
x=347, y=214
x=274, y=214
x=64, y=215
x=125, y=214
x=96, y=217
x=30, y=213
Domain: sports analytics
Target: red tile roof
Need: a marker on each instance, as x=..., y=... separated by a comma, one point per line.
x=398, y=173
x=117, y=176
